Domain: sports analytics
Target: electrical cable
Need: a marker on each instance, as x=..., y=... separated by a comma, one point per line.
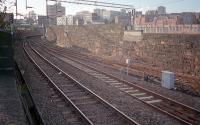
x=93, y=4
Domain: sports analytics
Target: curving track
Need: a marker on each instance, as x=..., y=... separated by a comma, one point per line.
x=177, y=110
x=139, y=71
x=91, y=108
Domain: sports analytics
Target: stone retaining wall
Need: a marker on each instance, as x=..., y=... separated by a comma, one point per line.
x=180, y=53
x=174, y=52
x=98, y=39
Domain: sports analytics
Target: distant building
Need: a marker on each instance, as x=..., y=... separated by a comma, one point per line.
x=9, y=17
x=123, y=12
x=79, y=21
x=87, y=16
x=114, y=14
x=188, y=17
x=43, y=21
x=168, y=20
x=197, y=15
x=161, y=10
x=100, y=13
x=108, y=15
x=65, y=20
x=70, y=20
x=125, y=20
x=32, y=15
x=61, y=20
x=140, y=21
x=54, y=11
x=150, y=15
x=157, y=21
x=31, y=18
x=138, y=13
x=160, y=20
x=151, y=12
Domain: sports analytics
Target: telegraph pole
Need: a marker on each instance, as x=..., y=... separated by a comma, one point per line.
x=133, y=18
x=46, y=9
x=16, y=8
x=26, y=4
x=47, y=20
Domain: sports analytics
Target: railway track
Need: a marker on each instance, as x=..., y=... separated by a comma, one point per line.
x=175, y=109
x=139, y=71
x=71, y=112
x=92, y=108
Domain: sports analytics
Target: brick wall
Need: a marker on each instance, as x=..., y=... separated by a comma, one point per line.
x=188, y=29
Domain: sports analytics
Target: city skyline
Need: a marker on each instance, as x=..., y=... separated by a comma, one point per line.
x=72, y=9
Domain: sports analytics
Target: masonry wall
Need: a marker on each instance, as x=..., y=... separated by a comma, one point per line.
x=98, y=39
x=175, y=52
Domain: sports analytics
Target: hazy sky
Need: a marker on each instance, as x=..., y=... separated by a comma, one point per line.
x=171, y=5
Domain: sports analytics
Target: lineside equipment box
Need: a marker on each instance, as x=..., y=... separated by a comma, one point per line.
x=168, y=79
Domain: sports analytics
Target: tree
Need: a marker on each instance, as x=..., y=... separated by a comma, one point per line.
x=3, y=5
x=196, y=21
x=3, y=8
x=2, y=12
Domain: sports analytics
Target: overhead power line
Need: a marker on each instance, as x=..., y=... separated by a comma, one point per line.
x=125, y=5
x=96, y=3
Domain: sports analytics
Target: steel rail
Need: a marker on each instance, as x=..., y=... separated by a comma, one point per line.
x=133, y=72
x=57, y=88
x=118, y=78
x=143, y=89
x=124, y=116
